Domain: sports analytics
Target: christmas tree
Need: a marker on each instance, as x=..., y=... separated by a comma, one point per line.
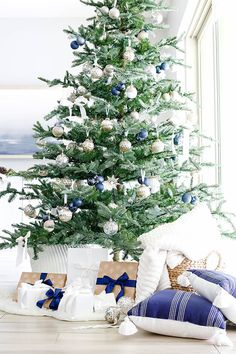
x=124, y=155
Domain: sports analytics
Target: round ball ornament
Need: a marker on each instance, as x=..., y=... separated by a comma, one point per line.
x=125, y=304
x=135, y=115
x=131, y=92
x=157, y=146
x=143, y=35
x=74, y=44
x=57, y=131
x=30, y=211
x=120, y=86
x=40, y=142
x=65, y=214
x=125, y=145
x=96, y=73
x=80, y=40
x=109, y=70
x=115, y=92
x=129, y=54
x=110, y=228
x=158, y=18
x=88, y=145
x=91, y=181
x=186, y=198
x=43, y=172
x=100, y=186
x=81, y=90
x=104, y=10
x=107, y=125
x=164, y=66
x=77, y=202
x=166, y=97
x=154, y=184
x=49, y=225
x=143, y=192
x=112, y=315
x=114, y=13
x=62, y=160
x=194, y=200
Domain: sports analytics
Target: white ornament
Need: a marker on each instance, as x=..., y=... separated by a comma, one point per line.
x=135, y=115
x=109, y=70
x=166, y=97
x=158, y=18
x=131, y=92
x=107, y=125
x=104, y=10
x=30, y=211
x=151, y=70
x=125, y=145
x=154, y=184
x=65, y=214
x=129, y=54
x=49, y=225
x=114, y=13
x=110, y=228
x=62, y=160
x=96, y=73
x=157, y=146
x=57, y=131
x=88, y=145
x=81, y=90
x=143, y=192
x=143, y=35
x=40, y=142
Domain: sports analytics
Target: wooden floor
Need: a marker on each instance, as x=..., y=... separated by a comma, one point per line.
x=23, y=334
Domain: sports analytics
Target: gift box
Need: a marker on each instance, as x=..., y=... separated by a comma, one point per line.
x=84, y=263
x=51, y=279
x=117, y=277
x=29, y=294
x=103, y=301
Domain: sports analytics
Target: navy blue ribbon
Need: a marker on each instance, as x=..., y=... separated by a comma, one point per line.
x=43, y=276
x=123, y=281
x=55, y=296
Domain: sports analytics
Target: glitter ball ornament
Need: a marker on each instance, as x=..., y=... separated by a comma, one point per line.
x=157, y=18
x=88, y=145
x=81, y=90
x=131, y=92
x=62, y=160
x=104, y=10
x=107, y=125
x=125, y=304
x=96, y=73
x=57, y=131
x=135, y=115
x=157, y=146
x=114, y=13
x=49, y=225
x=166, y=97
x=112, y=315
x=129, y=54
x=109, y=70
x=65, y=214
x=143, y=192
x=30, y=211
x=125, y=145
x=110, y=228
x=143, y=35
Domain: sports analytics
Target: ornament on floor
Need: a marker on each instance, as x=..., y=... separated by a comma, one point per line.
x=62, y=160
x=74, y=44
x=143, y=192
x=30, y=211
x=129, y=54
x=114, y=13
x=57, y=131
x=135, y=115
x=112, y=315
x=96, y=73
x=157, y=146
x=186, y=198
x=131, y=92
x=110, y=228
x=142, y=135
x=143, y=35
x=109, y=70
x=49, y=225
x=88, y=145
x=166, y=97
x=107, y=125
x=64, y=214
x=125, y=304
x=104, y=10
x=125, y=145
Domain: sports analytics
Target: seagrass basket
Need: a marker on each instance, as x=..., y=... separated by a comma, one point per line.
x=189, y=264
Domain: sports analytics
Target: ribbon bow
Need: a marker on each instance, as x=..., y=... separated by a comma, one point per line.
x=122, y=281
x=55, y=296
x=48, y=282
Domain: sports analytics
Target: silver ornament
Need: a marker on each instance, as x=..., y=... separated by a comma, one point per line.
x=49, y=225
x=104, y=10
x=71, y=145
x=135, y=115
x=87, y=67
x=157, y=146
x=65, y=214
x=143, y=192
x=110, y=228
x=109, y=70
x=57, y=131
x=166, y=97
x=112, y=315
x=114, y=13
x=30, y=211
x=88, y=145
x=125, y=145
x=125, y=304
x=158, y=18
x=40, y=142
x=107, y=125
x=143, y=35
x=96, y=73
x=131, y=92
x=62, y=160
x=81, y=90
x=54, y=211
x=43, y=172
x=129, y=54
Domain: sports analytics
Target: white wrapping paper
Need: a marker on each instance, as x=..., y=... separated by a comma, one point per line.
x=28, y=294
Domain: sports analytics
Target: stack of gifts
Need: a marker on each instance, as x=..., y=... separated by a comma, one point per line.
x=92, y=285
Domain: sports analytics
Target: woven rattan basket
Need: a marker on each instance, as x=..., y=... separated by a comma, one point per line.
x=188, y=264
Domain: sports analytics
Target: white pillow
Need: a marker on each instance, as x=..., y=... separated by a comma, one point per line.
x=187, y=234
x=150, y=269
x=217, y=287
x=164, y=282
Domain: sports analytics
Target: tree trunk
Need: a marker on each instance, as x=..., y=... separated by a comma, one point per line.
x=116, y=256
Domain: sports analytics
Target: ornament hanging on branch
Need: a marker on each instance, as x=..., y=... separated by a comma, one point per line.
x=143, y=35
x=129, y=54
x=131, y=92
x=49, y=224
x=107, y=125
x=57, y=131
x=157, y=146
x=96, y=73
x=88, y=145
x=135, y=115
x=104, y=10
x=30, y=211
x=109, y=70
x=110, y=228
x=125, y=145
x=62, y=160
x=114, y=13
x=142, y=135
x=64, y=214
x=143, y=192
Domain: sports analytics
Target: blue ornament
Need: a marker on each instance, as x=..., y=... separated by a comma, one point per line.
x=80, y=40
x=72, y=208
x=177, y=138
x=158, y=69
x=143, y=134
x=144, y=181
x=194, y=200
x=91, y=181
x=74, y=45
x=186, y=198
x=120, y=86
x=114, y=91
x=164, y=66
x=45, y=217
x=77, y=202
x=99, y=179
x=99, y=186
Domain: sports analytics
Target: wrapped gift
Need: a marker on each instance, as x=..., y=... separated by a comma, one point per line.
x=117, y=277
x=84, y=263
x=29, y=294
x=78, y=299
x=103, y=301
x=51, y=279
